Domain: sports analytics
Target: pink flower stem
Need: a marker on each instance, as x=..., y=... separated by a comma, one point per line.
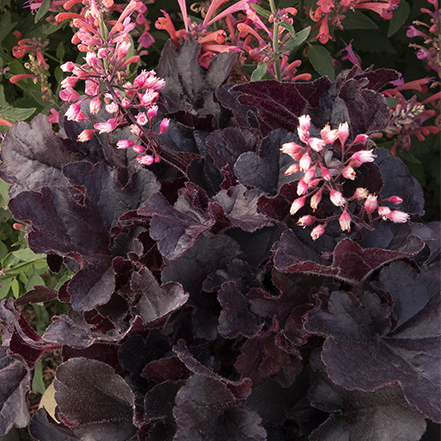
x=276, y=60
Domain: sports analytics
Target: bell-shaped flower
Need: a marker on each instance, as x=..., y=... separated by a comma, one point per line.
x=317, y=232
x=306, y=220
x=398, y=217
x=349, y=173
x=345, y=221
x=361, y=157
x=305, y=162
x=337, y=198
x=297, y=205
x=371, y=203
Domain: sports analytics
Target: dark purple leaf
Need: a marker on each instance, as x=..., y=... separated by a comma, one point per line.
x=14, y=385
x=177, y=228
x=207, y=411
x=97, y=403
x=236, y=317
x=228, y=144
x=361, y=415
x=189, y=86
x=240, y=207
x=360, y=355
x=34, y=151
x=266, y=170
x=277, y=207
x=39, y=293
x=42, y=430
x=269, y=356
x=165, y=369
x=156, y=301
x=350, y=262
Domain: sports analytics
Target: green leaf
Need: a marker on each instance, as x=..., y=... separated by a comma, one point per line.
x=259, y=72
x=288, y=27
x=4, y=196
x=399, y=18
x=49, y=28
x=35, y=279
x=3, y=101
x=5, y=283
x=37, y=381
x=27, y=255
x=372, y=42
x=44, y=7
x=357, y=20
x=5, y=30
x=299, y=39
x=392, y=101
x=3, y=251
x=261, y=11
x=41, y=318
x=60, y=51
x=15, y=286
x=13, y=114
x=321, y=61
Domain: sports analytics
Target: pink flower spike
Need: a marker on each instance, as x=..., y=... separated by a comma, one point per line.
x=398, y=217
x=349, y=173
x=85, y=135
x=325, y=173
x=371, y=203
x=293, y=168
x=316, y=144
x=164, y=125
x=145, y=160
x=124, y=144
x=297, y=205
x=343, y=132
x=306, y=220
x=360, y=193
x=328, y=135
x=361, y=157
x=317, y=232
x=302, y=187
x=106, y=127
x=384, y=212
x=305, y=162
x=138, y=148
x=345, y=221
x=395, y=199
x=337, y=198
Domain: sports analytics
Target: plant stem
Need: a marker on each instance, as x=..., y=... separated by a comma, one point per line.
x=275, y=41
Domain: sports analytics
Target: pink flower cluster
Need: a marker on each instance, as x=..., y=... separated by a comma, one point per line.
x=322, y=174
x=107, y=46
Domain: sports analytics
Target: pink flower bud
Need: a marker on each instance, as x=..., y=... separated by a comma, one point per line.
x=337, y=198
x=152, y=112
x=292, y=149
x=297, y=205
x=305, y=162
x=306, y=220
x=345, y=221
x=294, y=168
x=302, y=187
x=384, y=212
x=69, y=94
x=360, y=193
x=371, y=203
x=112, y=107
x=314, y=182
x=316, y=144
x=343, y=132
x=141, y=119
x=149, y=98
x=73, y=111
x=145, y=160
x=138, y=148
x=91, y=88
x=317, y=232
x=122, y=49
x=315, y=199
x=303, y=128
x=124, y=144
x=328, y=135
x=125, y=102
x=310, y=173
x=398, y=217
x=361, y=157
x=395, y=199
x=349, y=173
x=325, y=173
x=164, y=125
x=69, y=82
x=68, y=67
x=95, y=105
x=106, y=127
x=102, y=53
x=85, y=135
x=360, y=139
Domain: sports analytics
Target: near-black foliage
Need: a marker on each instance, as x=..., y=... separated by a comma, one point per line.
x=200, y=310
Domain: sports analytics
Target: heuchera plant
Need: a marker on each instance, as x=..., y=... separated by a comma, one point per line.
x=263, y=275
